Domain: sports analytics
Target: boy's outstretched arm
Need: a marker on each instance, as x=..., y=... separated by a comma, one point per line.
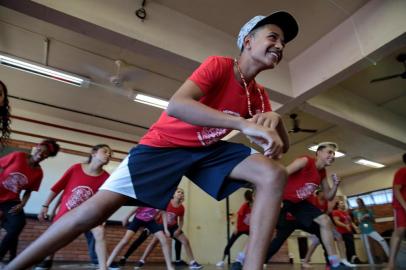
x=184, y=105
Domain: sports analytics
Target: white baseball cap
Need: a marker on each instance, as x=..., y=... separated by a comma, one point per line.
x=282, y=19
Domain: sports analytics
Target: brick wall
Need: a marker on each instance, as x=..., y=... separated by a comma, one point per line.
x=77, y=250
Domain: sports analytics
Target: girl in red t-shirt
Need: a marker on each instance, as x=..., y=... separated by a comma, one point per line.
x=174, y=216
x=19, y=171
x=345, y=226
x=78, y=184
x=243, y=227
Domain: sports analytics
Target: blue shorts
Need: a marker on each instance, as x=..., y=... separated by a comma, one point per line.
x=152, y=226
x=150, y=175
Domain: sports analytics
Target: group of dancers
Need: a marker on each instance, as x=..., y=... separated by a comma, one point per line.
x=221, y=95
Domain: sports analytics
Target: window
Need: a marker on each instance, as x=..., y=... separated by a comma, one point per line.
x=382, y=196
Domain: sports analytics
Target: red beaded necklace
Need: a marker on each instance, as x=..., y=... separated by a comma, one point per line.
x=247, y=92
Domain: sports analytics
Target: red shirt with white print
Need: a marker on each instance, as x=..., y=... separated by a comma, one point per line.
x=16, y=175
x=302, y=184
x=172, y=214
x=77, y=187
x=216, y=79
x=243, y=218
x=343, y=217
x=399, y=179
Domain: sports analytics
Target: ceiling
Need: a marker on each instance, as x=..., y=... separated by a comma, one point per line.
x=106, y=106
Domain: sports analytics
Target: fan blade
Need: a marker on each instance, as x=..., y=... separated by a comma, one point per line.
x=386, y=78
x=115, y=90
x=308, y=130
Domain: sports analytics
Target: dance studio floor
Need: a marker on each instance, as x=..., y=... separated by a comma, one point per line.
x=77, y=266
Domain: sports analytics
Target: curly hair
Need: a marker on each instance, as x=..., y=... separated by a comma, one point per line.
x=4, y=117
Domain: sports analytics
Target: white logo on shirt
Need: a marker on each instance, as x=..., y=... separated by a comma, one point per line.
x=210, y=135
x=15, y=182
x=79, y=195
x=247, y=219
x=306, y=191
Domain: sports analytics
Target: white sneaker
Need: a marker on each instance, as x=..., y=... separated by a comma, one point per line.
x=220, y=264
x=347, y=263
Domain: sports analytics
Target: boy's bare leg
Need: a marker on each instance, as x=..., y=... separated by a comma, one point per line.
x=326, y=232
x=88, y=215
x=269, y=178
x=395, y=240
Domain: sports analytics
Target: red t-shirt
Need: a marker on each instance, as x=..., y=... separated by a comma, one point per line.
x=302, y=184
x=243, y=218
x=215, y=78
x=323, y=205
x=400, y=179
x=77, y=187
x=345, y=218
x=172, y=214
x=16, y=175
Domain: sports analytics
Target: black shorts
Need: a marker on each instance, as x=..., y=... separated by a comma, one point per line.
x=304, y=212
x=173, y=229
x=150, y=175
x=152, y=226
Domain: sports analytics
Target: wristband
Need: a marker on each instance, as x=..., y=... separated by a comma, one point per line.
x=46, y=206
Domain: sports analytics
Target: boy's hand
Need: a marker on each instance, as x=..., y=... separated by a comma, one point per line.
x=265, y=137
x=267, y=119
x=336, y=179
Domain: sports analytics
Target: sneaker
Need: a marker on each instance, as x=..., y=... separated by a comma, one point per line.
x=236, y=266
x=340, y=267
x=114, y=266
x=306, y=265
x=358, y=261
x=347, y=263
x=220, y=264
x=180, y=263
x=139, y=264
x=44, y=265
x=122, y=261
x=195, y=265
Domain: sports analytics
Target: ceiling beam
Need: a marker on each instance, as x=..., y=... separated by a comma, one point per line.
x=372, y=32
x=348, y=110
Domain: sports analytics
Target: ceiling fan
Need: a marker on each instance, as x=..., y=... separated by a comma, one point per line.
x=124, y=72
x=296, y=127
x=400, y=58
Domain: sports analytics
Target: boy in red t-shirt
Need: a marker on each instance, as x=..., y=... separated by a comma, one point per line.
x=399, y=208
x=220, y=96
x=19, y=171
x=306, y=174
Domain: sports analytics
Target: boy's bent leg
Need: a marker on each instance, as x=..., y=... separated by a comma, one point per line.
x=88, y=215
x=269, y=178
x=326, y=232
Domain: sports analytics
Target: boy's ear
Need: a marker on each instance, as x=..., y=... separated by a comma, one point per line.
x=247, y=42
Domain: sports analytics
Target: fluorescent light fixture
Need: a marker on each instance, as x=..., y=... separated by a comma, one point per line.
x=338, y=153
x=368, y=163
x=43, y=71
x=152, y=101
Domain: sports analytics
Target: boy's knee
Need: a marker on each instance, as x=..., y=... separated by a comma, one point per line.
x=273, y=175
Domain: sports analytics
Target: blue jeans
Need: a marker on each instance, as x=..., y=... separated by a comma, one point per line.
x=91, y=247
